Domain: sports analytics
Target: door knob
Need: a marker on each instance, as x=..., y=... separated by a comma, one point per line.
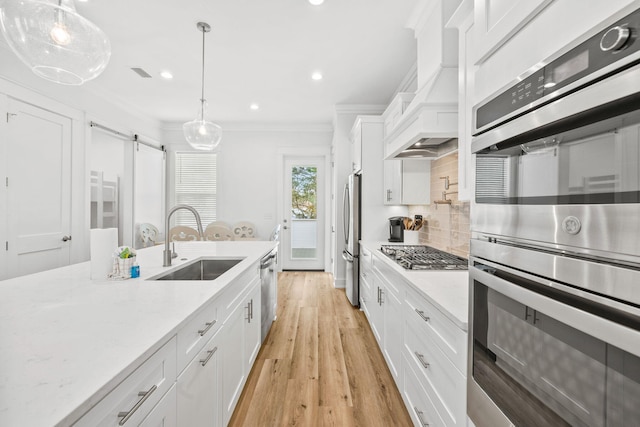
x=66, y=238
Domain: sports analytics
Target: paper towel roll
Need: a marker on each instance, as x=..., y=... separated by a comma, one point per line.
x=104, y=243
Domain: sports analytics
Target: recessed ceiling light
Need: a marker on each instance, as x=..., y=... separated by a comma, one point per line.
x=166, y=75
x=254, y=106
x=316, y=2
x=317, y=75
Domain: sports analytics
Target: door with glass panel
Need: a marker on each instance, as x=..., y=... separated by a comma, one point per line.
x=303, y=237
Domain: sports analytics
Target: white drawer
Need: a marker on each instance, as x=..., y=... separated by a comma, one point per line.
x=392, y=281
x=418, y=403
x=165, y=412
x=236, y=292
x=195, y=334
x=444, y=333
x=138, y=393
x=444, y=384
x=366, y=261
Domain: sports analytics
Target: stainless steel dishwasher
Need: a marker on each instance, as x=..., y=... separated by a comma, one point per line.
x=269, y=285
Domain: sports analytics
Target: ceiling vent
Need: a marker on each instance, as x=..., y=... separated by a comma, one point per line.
x=142, y=73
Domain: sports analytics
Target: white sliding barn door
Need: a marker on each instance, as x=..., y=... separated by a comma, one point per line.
x=38, y=184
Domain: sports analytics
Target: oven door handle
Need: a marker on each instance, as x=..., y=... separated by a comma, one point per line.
x=561, y=308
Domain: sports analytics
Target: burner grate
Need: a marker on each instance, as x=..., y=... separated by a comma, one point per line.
x=419, y=257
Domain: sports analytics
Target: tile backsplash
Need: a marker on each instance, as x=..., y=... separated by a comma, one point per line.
x=447, y=225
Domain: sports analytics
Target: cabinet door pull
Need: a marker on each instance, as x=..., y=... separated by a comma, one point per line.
x=209, y=354
x=144, y=396
x=388, y=195
x=251, y=310
x=421, y=314
x=420, y=357
x=248, y=319
x=420, y=415
x=208, y=326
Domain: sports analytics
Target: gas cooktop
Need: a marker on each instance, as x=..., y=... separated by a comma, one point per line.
x=420, y=257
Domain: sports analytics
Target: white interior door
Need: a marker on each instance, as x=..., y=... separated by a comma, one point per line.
x=303, y=225
x=38, y=147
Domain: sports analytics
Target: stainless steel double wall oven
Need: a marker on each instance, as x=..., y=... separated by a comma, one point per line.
x=554, y=326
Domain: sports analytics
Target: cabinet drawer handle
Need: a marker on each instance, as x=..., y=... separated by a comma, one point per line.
x=421, y=314
x=421, y=359
x=208, y=326
x=209, y=354
x=420, y=415
x=144, y=396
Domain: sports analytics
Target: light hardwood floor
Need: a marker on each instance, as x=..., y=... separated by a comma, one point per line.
x=320, y=364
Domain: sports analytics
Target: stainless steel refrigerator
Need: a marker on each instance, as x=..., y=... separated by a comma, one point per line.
x=351, y=227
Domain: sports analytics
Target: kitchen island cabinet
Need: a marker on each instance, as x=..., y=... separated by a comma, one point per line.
x=79, y=352
x=422, y=334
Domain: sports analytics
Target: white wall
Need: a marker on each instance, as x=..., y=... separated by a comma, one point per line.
x=248, y=170
x=83, y=104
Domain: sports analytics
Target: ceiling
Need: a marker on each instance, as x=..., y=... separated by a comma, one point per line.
x=258, y=51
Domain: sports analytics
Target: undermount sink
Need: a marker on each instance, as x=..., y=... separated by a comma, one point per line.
x=203, y=269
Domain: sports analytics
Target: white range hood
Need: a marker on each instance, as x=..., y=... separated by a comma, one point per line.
x=429, y=126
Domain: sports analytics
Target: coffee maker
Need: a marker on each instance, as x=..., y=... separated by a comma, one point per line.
x=396, y=229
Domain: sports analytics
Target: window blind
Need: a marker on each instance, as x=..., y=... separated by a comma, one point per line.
x=196, y=186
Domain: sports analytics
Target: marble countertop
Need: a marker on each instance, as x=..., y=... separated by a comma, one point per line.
x=447, y=290
x=67, y=340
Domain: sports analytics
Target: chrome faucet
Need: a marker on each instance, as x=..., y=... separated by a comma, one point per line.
x=166, y=255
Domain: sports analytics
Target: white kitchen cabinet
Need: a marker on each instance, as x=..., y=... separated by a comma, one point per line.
x=431, y=322
x=199, y=388
x=407, y=182
x=388, y=316
x=498, y=20
x=392, y=182
x=420, y=406
x=444, y=383
x=462, y=20
x=367, y=279
x=240, y=344
x=424, y=350
x=376, y=311
x=164, y=414
x=252, y=335
x=134, y=398
x=195, y=334
x=416, y=182
x=373, y=212
x=392, y=305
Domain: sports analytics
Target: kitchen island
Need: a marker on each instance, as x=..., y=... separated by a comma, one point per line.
x=67, y=341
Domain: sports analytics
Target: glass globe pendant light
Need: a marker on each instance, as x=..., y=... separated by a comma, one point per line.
x=200, y=133
x=54, y=40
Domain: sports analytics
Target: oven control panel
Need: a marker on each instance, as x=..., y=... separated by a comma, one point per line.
x=612, y=48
